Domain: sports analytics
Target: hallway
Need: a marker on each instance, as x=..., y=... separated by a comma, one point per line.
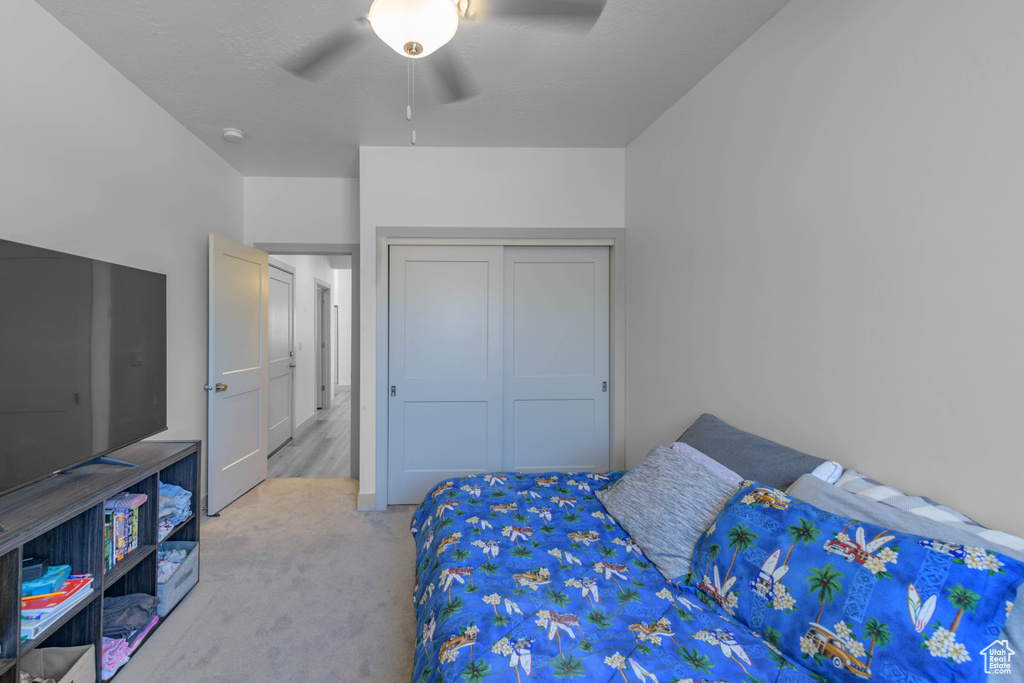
x=323, y=450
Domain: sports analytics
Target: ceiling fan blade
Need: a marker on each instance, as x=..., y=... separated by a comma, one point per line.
x=451, y=79
x=313, y=60
x=541, y=9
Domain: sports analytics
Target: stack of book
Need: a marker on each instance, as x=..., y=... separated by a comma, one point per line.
x=39, y=612
x=120, y=535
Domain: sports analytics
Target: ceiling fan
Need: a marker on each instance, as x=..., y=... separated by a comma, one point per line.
x=417, y=28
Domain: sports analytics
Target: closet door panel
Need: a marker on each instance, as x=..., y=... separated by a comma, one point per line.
x=553, y=320
x=555, y=397
x=444, y=366
x=556, y=434
x=445, y=435
x=446, y=305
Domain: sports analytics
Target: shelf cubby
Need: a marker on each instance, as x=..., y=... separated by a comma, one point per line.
x=147, y=530
x=180, y=474
x=78, y=542
x=138, y=556
x=141, y=578
x=80, y=626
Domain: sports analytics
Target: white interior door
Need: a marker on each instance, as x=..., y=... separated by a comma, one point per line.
x=239, y=371
x=445, y=319
x=281, y=317
x=322, y=337
x=555, y=388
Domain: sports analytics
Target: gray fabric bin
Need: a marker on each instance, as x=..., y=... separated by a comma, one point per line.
x=62, y=664
x=183, y=578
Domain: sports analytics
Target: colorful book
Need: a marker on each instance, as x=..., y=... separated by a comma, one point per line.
x=108, y=541
x=45, y=604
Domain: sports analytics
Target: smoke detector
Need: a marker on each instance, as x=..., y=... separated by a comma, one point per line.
x=233, y=135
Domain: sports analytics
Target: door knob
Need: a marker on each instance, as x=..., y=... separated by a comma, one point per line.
x=217, y=388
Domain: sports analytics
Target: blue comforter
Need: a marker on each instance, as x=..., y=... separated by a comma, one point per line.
x=526, y=577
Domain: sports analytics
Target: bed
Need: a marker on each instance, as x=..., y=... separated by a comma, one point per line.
x=526, y=577
x=719, y=578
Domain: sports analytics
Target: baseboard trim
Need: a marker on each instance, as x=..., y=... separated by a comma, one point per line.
x=303, y=426
x=366, y=501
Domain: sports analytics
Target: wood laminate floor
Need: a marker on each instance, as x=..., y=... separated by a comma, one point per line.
x=323, y=450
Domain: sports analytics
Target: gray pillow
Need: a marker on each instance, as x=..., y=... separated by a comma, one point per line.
x=665, y=503
x=837, y=501
x=750, y=456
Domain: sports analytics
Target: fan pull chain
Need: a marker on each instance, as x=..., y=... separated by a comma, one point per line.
x=410, y=94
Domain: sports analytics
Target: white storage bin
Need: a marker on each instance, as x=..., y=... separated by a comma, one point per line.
x=183, y=578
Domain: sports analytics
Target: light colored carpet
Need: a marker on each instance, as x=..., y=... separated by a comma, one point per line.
x=295, y=585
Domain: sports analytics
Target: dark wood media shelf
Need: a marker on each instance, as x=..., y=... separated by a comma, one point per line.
x=61, y=519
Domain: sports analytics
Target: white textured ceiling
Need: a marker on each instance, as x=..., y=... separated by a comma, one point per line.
x=215, y=63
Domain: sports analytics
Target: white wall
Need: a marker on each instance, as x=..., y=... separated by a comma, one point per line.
x=476, y=188
x=302, y=210
x=91, y=166
x=825, y=242
x=343, y=300
x=307, y=270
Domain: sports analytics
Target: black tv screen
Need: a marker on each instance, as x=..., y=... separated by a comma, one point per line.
x=83, y=360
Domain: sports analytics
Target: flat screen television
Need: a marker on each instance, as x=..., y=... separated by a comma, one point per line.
x=83, y=360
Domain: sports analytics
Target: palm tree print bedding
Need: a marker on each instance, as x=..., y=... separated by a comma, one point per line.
x=527, y=578
x=850, y=600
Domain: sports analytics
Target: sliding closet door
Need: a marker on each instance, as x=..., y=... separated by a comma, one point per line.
x=555, y=389
x=444, y=346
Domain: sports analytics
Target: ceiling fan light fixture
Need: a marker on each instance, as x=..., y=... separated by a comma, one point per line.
x=414, y=28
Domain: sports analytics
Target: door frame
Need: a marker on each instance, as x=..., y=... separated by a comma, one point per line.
x=282, y=266
x=335, y=334
x=329, y=249
x=613, y=238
